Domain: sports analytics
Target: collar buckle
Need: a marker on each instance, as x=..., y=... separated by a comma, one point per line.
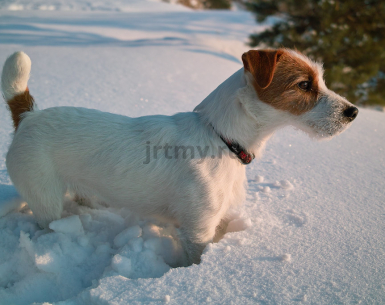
x=243, y=155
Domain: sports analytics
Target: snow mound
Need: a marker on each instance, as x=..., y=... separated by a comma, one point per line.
x=69, y=225
x=237, y=225
x=125, y=236
x=79, y=250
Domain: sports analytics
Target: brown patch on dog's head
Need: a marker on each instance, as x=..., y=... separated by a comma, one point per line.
x=18, y=105
x=283, y=79
x=261, y=64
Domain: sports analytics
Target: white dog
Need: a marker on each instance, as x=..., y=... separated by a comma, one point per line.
x=189, y=167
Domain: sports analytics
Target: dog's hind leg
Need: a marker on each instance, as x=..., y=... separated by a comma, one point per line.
x=45, y=199
x=39, y=185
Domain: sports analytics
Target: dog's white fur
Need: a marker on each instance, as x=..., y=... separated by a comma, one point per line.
x=15, y=75
x=100, y=154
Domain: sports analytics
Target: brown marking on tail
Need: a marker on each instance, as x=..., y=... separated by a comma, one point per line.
x=18, y=105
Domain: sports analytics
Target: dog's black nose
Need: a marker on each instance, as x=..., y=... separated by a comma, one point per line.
x=351, y=113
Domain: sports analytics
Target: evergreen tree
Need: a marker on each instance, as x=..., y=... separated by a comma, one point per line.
x=217, y=4
x=205, y=4
x=348, y=36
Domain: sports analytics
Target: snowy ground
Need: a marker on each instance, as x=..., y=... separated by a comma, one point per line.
x=311, y=231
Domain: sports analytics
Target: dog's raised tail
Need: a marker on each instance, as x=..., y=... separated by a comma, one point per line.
x=14, y=84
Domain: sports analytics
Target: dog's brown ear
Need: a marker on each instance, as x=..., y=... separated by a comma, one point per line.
x=261, y=64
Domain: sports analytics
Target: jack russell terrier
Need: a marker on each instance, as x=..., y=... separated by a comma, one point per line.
x=107, y=156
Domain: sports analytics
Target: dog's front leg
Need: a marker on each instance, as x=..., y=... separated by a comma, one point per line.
x=192, y=245
x=196, y=232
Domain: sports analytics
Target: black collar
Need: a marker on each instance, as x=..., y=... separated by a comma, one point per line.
x=243, y=155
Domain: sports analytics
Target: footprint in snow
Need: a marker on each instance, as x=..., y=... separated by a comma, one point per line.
x=267, y=188
x=297, y=219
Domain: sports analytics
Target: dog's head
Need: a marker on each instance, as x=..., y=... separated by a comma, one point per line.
x=290, y=82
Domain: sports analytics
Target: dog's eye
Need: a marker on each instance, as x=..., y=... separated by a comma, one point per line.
x=306, y=85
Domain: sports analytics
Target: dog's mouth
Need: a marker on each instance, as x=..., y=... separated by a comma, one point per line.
x=329, y=118
x=324, y=128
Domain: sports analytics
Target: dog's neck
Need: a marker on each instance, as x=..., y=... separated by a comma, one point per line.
x=236, y=113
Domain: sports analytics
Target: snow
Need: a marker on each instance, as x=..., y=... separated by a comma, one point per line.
x=125, y=236
x=238, y=224
x=310, y=231
x=68, y=225
x=82, y=5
